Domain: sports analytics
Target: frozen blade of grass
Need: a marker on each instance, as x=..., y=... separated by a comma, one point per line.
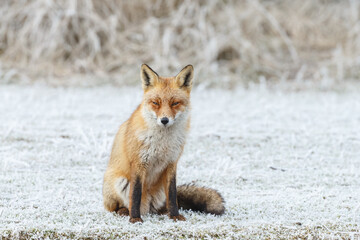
x=84, y=136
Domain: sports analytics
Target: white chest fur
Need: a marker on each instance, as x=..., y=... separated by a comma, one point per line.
x=161, y=146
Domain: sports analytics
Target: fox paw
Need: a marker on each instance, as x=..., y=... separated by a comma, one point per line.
x=123, y=211
x=135, y=220
x=178, y=218
x=163, y=211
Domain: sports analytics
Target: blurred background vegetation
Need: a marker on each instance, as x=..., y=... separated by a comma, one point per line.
x=229, y=42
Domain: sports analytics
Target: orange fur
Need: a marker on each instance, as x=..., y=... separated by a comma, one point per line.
x=148, y=150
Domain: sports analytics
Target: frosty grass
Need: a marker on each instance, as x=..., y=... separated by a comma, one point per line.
x=287, y=164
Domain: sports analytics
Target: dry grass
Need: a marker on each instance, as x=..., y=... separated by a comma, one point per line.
x=227, y=41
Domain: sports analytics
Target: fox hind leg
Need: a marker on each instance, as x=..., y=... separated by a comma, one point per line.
x=116, y=195
x=123, y=211
x=111, y=204
x=122, y=190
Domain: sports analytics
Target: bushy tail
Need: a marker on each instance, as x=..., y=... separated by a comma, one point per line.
x=200, y=199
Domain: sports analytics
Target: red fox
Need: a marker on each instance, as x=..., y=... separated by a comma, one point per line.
x=141, y=174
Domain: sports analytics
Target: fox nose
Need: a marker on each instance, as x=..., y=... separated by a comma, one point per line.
x=164, y=120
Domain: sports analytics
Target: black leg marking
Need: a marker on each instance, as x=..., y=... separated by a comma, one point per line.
x=136, y=199
x=125, y=187
x=173, y=208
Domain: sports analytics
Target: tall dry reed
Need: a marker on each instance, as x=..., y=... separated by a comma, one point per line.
x=227, y=41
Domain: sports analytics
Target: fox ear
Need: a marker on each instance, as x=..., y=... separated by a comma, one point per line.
x=185, y=77
x=148, y=76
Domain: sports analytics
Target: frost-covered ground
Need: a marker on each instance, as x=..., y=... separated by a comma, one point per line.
x=287, y=164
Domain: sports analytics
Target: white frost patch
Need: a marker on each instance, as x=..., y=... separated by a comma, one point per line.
x=286, y=163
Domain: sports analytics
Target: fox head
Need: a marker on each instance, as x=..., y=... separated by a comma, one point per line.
x=166, y=99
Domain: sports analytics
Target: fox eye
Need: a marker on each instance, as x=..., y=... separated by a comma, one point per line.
x=175, y=103
x=155, y=103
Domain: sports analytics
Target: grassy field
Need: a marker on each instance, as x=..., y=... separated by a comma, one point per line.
x=287, y=164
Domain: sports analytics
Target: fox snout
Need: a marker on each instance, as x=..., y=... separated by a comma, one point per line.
x=165, y=121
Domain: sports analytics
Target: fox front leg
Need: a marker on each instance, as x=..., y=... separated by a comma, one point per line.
x=172, y=201
x=135, y=200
